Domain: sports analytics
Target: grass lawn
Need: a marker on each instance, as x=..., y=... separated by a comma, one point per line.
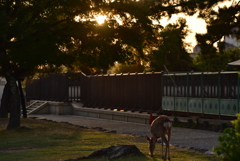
x=40, y=140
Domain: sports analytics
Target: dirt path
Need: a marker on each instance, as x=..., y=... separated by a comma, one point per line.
x=200, y=140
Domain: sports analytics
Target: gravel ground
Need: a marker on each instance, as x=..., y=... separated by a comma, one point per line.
x=200, y=140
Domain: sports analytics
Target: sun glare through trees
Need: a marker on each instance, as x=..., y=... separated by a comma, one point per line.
x=100, y=19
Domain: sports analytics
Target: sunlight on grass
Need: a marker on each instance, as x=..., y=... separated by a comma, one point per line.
x=40, y=140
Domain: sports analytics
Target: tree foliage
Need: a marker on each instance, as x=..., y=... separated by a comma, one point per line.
x=33, y=34
x=171, y=49
x=39, y=34
x=127, y=68
x=220, y=23
x=216, y=61
x=228, y=150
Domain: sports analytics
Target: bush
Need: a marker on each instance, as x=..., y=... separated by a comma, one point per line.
x=229, y=148
x=124, y=68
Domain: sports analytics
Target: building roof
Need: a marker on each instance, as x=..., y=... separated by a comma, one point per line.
x=234, y=63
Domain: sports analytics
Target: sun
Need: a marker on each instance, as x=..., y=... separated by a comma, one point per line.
x=100, y=19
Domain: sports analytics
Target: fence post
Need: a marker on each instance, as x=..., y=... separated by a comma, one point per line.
x=67, y=87
x=121, y=92
x=89, y=91
x=136, y=93
x=219, y=96
x=202, y=93
x=114, y=92
x=152, y=93
x=174, y=94
x=161, y=93
x=127, y=85
x=238, y=91
x=144, y=93
x=187, y=93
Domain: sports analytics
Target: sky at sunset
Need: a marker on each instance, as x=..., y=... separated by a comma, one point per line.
x=195, y=25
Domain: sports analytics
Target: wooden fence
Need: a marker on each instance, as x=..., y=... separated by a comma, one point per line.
x=54, y=87
x=134, y=91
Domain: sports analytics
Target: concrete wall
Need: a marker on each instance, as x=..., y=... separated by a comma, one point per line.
x=56, y=108
x=60, y=108
x=135, y=117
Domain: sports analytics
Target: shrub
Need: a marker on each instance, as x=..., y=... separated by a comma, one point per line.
x=124, y=68
x=229, y=148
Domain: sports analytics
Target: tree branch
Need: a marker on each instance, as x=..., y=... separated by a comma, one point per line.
x=35, y=15
x=36, y=33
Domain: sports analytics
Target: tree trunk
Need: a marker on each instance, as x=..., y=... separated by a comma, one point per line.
x=22, y=99
x=5, y=102
x=14, y=120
